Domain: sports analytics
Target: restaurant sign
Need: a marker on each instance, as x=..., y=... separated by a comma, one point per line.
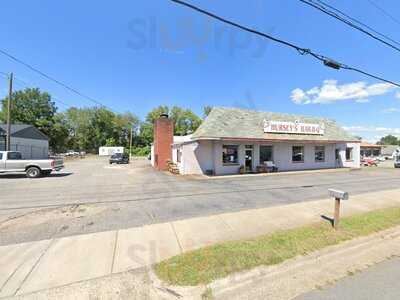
x=293, y=127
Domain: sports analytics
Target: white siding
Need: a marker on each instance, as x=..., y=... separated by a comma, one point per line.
x=108, y=151
x=152, y=155
x=197, y=157
x=282, y=153
x=355, y=162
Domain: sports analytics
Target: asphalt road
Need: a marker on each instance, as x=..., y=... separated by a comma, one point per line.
x=377, y=282
x=91, y=196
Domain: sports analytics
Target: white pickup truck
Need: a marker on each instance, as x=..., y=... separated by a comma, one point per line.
x=12, y=162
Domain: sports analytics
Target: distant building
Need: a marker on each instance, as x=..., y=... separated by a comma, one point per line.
x=108, y=151
x=27, y=139
x=370, y=150
x=389, y=151
x=233, y=139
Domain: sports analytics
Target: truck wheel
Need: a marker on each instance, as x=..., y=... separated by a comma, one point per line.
x=33, y=172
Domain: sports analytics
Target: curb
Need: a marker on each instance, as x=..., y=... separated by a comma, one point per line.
x=299, y=172
x=280, y=281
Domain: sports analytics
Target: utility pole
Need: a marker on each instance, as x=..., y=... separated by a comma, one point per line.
x=10, y=91
x=130, y=143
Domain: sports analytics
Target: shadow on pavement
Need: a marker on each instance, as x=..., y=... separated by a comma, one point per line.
x=330, y=220
x=21, y=175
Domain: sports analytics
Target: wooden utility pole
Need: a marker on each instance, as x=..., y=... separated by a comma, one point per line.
x=130, y=142
x=10, y=91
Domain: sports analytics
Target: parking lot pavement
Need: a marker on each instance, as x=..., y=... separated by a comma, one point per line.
x=92, y=196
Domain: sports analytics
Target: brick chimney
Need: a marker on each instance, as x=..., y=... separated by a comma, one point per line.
x=163, y=139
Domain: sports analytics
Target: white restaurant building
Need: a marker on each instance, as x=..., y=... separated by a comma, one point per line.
x=230, y=138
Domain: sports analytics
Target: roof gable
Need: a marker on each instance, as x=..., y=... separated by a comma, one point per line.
x=24, y=131
x=237, y=123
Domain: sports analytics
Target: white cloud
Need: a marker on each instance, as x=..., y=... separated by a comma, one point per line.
x=398, y=95
x=372, y=133
x=331, y=92
x=363, y=101
x=391, y=110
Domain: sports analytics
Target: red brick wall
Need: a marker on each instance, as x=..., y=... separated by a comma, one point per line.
x=163, y=139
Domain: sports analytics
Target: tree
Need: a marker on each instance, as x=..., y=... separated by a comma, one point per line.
x=358, y=137
x=156, y=112
x=33, y=107
x=206, y=111
x=59, y=137
x=185, y=121
x=389, y=140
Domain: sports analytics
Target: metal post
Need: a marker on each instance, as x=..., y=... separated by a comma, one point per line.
x=336, y=219
x=10, y=89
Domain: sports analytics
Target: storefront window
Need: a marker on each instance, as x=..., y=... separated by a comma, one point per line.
x=349, y=153
x=319, y=153
x=265, y=154
x=230, y=154
x=298, y=154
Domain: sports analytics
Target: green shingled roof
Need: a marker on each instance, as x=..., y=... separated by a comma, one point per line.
x=236, y=123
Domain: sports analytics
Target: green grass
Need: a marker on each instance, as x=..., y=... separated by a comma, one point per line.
x=204, y=265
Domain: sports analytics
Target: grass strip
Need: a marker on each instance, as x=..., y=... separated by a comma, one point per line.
x=207, y=264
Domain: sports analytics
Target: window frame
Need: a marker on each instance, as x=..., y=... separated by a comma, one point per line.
x=178, y=155
x=323, y=151
x=14, y=152
x=302, y=152
x=351, y=157
x=272, y=154
x=236, y=162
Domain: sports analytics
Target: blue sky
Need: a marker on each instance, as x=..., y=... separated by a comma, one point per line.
x=135, y=55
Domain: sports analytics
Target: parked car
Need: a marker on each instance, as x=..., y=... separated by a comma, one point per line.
x=369, y=162
x=119, y=158
x=380, y=158
x=12, y=162
x=397, y=161
x=71, y=153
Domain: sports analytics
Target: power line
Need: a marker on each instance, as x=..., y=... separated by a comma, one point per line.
x=383, y=11
x=12, y=57
x=30, y=85
x=341, y=16
x=24, y=84
x=303, y=51
x=361, y=23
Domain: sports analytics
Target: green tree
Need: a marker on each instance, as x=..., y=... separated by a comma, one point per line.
x=206, y=111
x=91, y=128
x=34, y=107
x=59, y=138
x=389, y=140
x=185, y=121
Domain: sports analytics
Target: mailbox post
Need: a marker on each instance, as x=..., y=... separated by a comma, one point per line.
x=338, y=195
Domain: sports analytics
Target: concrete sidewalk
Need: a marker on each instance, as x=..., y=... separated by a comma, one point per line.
x=34, y=266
